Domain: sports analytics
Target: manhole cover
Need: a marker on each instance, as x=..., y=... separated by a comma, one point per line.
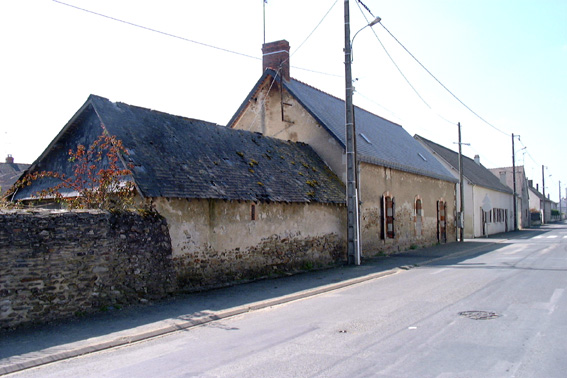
x=479, y=315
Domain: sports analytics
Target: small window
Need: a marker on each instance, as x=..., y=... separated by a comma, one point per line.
x=253, y=212
x=365, y=138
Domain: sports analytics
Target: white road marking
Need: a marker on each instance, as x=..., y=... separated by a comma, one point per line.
x=554, y=299
x=438, y=271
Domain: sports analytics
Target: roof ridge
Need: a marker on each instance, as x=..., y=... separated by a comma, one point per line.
x=151, y=110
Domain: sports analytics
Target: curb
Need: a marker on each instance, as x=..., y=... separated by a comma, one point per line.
x=213, y=316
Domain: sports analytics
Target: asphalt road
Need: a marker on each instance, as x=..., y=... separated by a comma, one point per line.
x=497, y=314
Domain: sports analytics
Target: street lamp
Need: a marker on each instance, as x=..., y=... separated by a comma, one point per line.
x=371, y=24
x=352, y=198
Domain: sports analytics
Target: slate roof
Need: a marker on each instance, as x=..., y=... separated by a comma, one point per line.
x=537, y=193
x=475, y=173
x=9, y=174
x=379, y=141
x=178, y=157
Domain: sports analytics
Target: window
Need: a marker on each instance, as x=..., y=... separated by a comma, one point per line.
x=253, y=212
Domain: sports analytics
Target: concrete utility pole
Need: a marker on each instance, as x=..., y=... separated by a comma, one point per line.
x=514, y=180
x=543, y=179
x=461, y=190
x=353, y=226
x=543, y=192
x=560, y=200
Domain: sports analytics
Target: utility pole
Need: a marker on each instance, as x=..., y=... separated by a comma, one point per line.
x=543, y=179
x=559, y=199
x=461, y=191
x=353, y=227
x=543, y=189
x=514, y=180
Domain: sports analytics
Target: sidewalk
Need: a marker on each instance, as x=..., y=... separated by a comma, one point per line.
x=28, y=347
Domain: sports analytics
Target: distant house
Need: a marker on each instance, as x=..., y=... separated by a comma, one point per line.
x=10, y=172
x=238, y=204
x=540, y=204
x=506, y=176
x=488, y=202
x=407, y=197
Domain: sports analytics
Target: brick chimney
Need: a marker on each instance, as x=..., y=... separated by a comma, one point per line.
x=275, y=55
x=10, y=159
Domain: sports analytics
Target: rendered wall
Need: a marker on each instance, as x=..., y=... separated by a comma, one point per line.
x=498, y=200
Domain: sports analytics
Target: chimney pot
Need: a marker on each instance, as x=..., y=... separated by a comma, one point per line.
x=10, y=159
x=275, y=55
x=477, y=159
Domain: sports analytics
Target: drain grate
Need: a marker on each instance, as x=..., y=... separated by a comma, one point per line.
x=479, y=315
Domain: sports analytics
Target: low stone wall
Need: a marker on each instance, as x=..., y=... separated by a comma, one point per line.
x=59, y=264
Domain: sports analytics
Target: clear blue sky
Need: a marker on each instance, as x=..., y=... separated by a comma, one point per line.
x=505, y=59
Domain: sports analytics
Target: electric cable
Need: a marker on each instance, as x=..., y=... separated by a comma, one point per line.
x=444, y=87
x=316, y=27
x=392, y=59
x=183, y=38
x=157, y=31
x=433, y=76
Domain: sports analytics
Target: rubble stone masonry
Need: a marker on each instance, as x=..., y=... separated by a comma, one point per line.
x=56, y=264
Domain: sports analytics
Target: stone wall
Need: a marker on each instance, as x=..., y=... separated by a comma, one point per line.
x=56, y=264
x=272, y=257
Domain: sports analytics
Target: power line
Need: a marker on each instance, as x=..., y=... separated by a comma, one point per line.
x=316, y=27
x=433, y=76
x=439, y=82
x=389, y=56
x=182, y=38
x=157, y=31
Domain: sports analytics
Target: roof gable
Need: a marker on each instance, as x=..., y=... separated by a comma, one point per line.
x=475, y=173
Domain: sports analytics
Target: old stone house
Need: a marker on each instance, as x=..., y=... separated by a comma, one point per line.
x=488, y=202
x=407, y=197
x=506, y=176
x=238, y=204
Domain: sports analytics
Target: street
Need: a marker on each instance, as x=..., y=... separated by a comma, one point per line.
x=496, y=314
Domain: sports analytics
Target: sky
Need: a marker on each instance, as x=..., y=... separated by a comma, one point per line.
x=499, y=67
